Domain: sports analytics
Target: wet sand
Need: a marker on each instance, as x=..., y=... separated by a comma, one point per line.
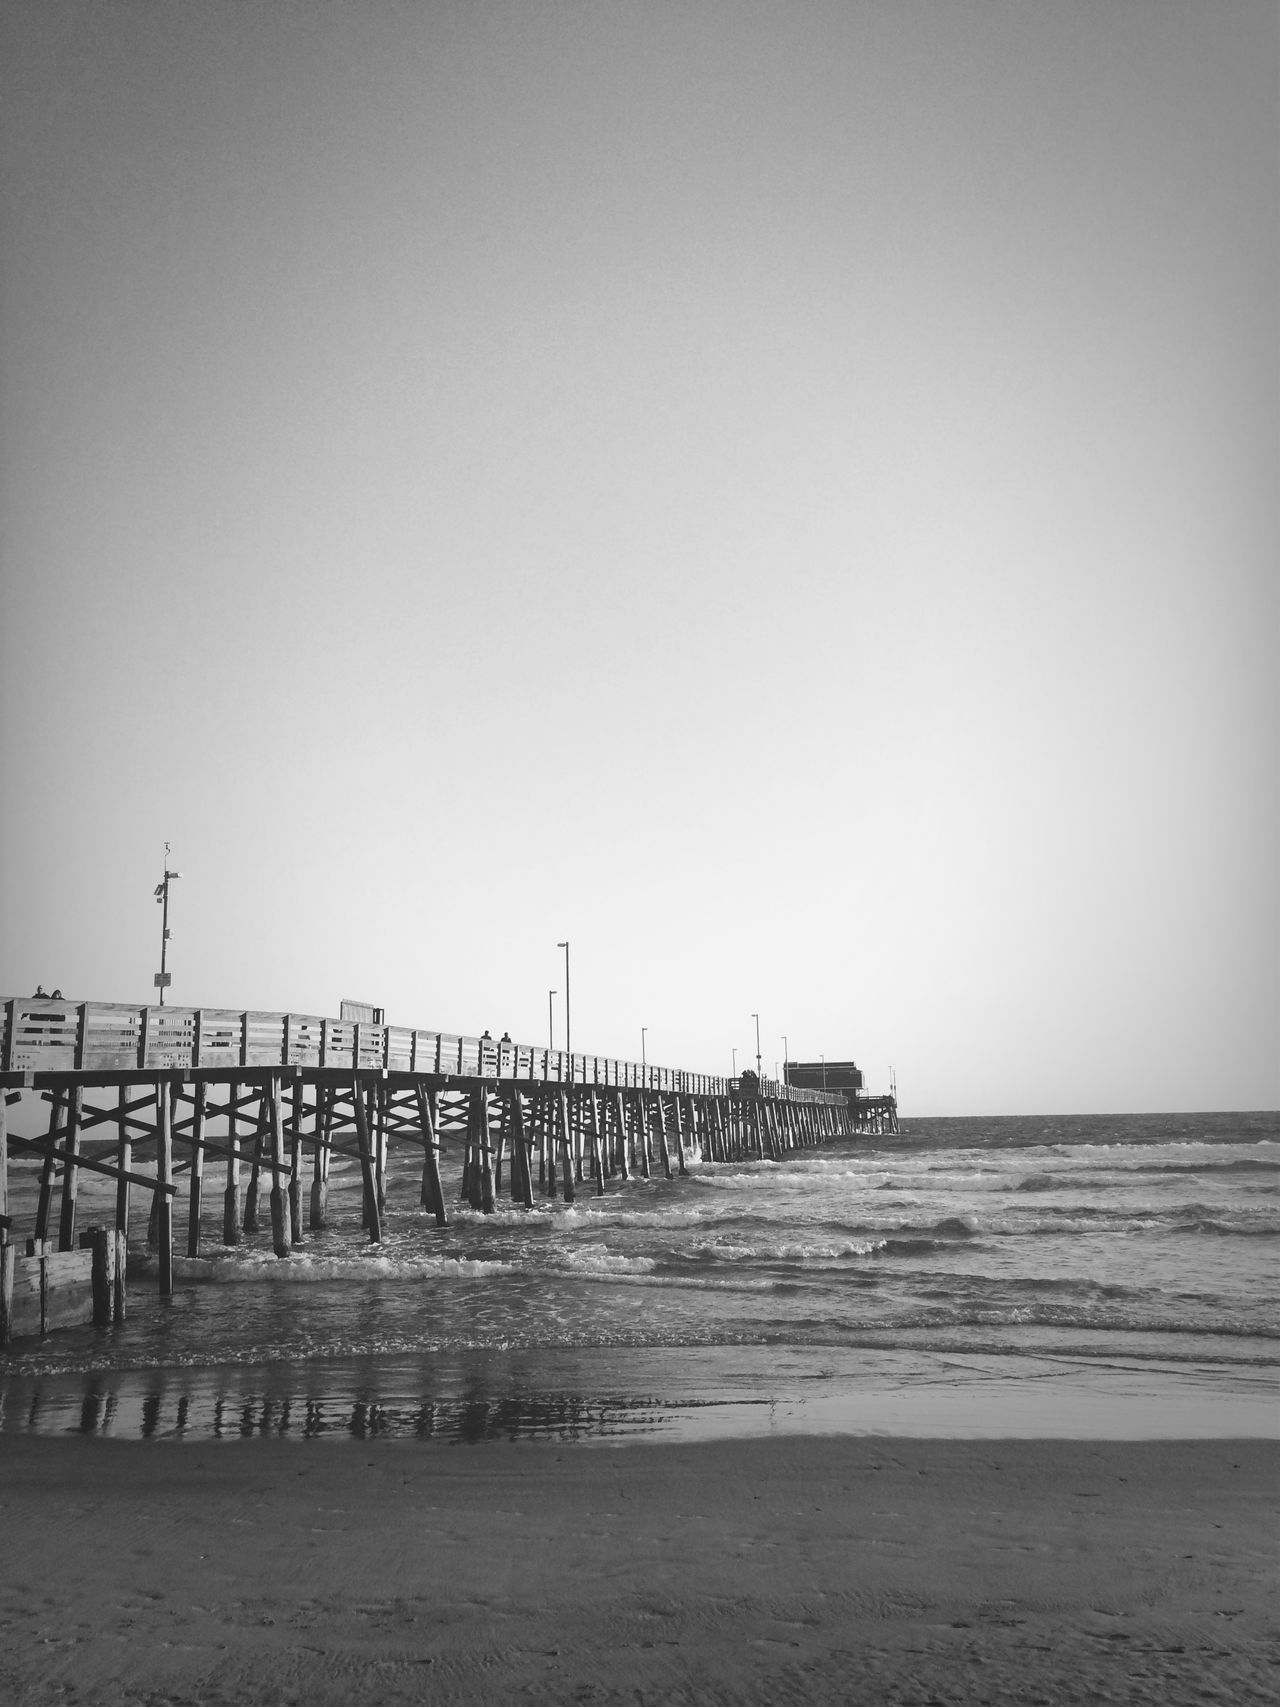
x=840, y=1569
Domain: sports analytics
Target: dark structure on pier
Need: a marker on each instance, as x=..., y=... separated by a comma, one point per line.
x=843, y=1076
x=142, y=1095
x=867, y=1113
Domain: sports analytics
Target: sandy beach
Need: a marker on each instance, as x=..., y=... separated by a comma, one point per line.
x=785, y=1570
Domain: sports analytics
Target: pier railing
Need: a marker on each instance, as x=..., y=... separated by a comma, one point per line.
x=43, y=1035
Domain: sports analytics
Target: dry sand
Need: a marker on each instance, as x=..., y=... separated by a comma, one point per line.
x=770, y=1571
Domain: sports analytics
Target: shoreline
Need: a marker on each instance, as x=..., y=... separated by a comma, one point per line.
x=794, y=1569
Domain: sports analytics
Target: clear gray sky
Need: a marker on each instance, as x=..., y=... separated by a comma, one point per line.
x=782, y=495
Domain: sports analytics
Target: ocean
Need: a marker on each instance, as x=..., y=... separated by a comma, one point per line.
x=1108, y=1276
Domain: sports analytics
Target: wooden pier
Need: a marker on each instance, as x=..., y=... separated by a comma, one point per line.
x=141, y=1095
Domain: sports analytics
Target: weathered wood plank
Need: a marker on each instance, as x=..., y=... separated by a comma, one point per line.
x=67, y=1289
x=26, y=1294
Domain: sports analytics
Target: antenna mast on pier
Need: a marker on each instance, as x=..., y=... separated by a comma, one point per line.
x=163, y=978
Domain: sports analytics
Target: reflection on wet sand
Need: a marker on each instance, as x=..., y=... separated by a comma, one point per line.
x=151, y=1408
x=709, y=1393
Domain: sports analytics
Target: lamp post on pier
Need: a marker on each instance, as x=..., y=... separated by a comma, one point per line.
x=551, y=1020
x=786, y=1056
x=162, y=978
x=756, y=1018
x=568, y=1033
x=643, y=1058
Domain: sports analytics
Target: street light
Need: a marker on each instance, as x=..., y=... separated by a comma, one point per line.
x=735, y=1063
x=163, y=979
x=786, y=1056
x=568, y=1034
x=823, y=1059
x=756, y=1018
x=643, y=1059
x=551, y=1019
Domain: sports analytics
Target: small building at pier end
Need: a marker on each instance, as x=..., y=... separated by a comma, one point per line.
x=825, y=1076
x=869, y=1113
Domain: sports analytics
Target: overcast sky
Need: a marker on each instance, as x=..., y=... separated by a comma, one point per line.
x=782, y=495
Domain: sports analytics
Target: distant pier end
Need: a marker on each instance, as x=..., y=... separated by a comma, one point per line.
x=867, y=1113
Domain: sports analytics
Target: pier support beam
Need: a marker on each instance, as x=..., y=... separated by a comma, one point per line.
x=6, y=1244
x=679, y=1126
x=521, y=1174
x=164, y=1178
x=320, y=1164
x=484, y=1144
x=298, y=1107
x=660, y=1121
x=432, y=1189
x=231, y=1196
x=49, y=1168
x=565, y=1137
x=640, y=1109
x=618, y=1104
x=372, y=1217
x=592, y=1110
x=280, y=1241
x=196, y=1190
x=70, y=1170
